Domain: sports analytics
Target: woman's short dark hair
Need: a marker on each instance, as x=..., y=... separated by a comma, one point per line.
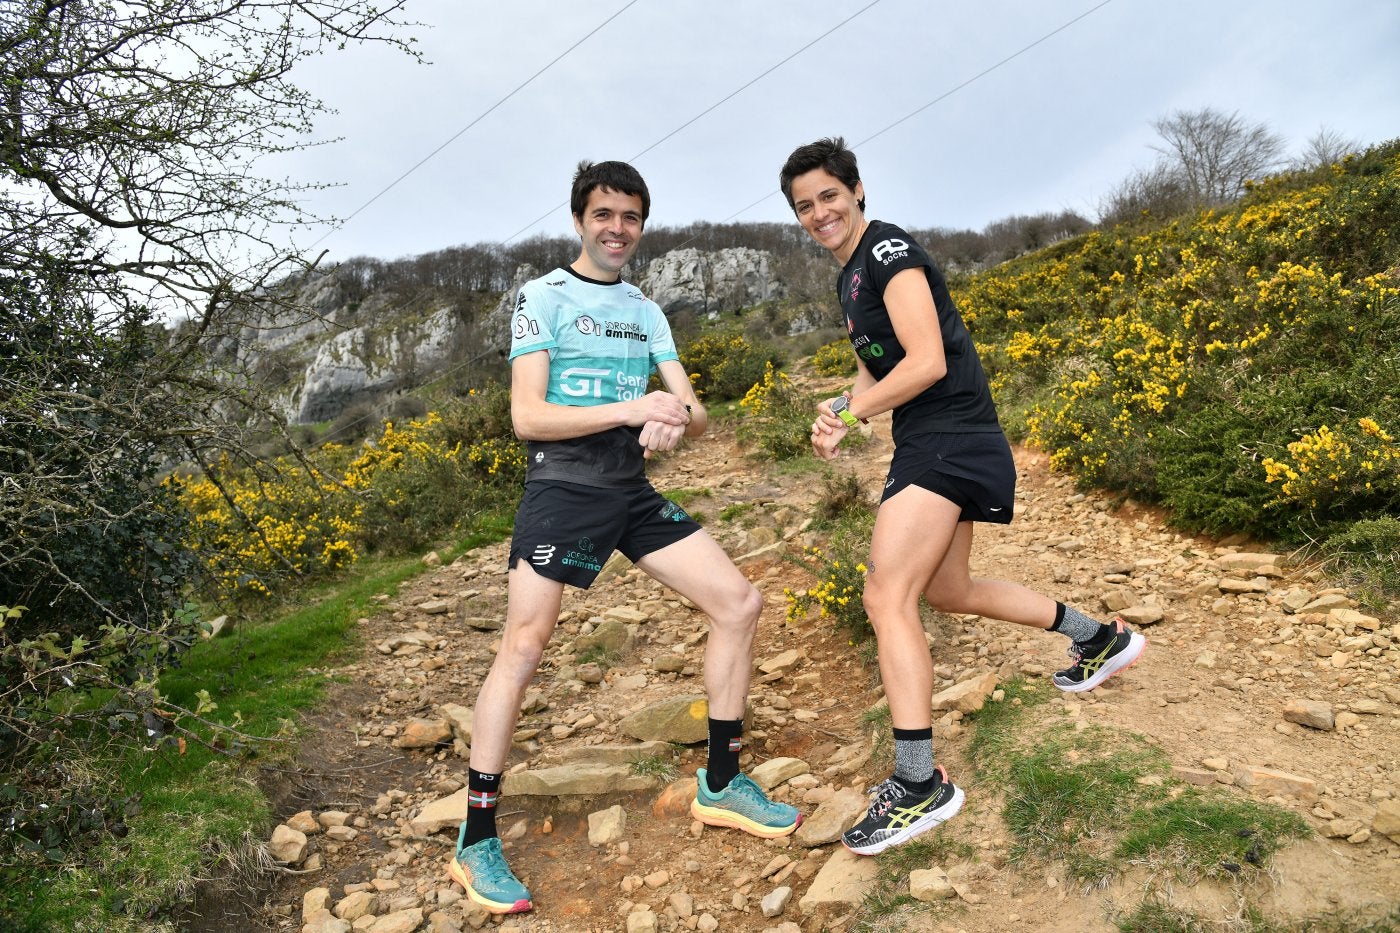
x=617, y=176
x=830, y=154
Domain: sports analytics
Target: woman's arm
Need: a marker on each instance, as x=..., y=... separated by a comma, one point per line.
x=909, y=302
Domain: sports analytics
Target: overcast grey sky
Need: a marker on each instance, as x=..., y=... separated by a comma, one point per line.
x=1054, y=128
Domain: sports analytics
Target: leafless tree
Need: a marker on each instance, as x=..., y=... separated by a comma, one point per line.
x=130, y=132
x=1216, y=153
x=1325, y=147
x=1159, y=191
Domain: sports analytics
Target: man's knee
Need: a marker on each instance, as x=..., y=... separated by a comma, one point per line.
x=523, y=645
x=741, y=612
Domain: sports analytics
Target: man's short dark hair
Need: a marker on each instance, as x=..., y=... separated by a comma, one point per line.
x=830, y=154
x=617, y=176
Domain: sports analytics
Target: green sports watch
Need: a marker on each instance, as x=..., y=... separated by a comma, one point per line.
x=841, y=408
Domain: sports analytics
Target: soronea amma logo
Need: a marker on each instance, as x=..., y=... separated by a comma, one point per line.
x=886, y=251
x=582, y=556
x=624, y=330
x=544, y=553
x=586, y=324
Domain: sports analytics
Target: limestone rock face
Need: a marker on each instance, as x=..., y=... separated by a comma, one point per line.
x=703, y=282
x=372, y=358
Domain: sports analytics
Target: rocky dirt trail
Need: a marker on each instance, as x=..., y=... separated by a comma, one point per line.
x=1256, y=675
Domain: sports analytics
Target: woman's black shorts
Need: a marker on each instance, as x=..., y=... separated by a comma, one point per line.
x=567, y=531
x=975, y=471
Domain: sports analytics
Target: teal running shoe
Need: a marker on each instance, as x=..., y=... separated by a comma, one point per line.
x=743, y=805
x=482, y=870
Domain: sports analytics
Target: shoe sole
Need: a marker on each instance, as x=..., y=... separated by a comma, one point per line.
x=458, y=873
x=922, y=825
x=715, y=816
x=1120, y=662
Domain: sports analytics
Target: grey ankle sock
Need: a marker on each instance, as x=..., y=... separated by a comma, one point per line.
x=1075, y=624
x=913, y=756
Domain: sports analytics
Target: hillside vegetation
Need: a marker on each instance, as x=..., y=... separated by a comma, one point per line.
x=1239, y=367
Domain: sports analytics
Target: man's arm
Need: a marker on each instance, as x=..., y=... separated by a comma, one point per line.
x=677, y=382
x=535, y=419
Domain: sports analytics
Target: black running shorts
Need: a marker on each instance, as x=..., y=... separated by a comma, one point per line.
x=975, y=471
x=566, y=532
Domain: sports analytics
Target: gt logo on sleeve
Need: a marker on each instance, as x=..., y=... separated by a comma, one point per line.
x=581, y=381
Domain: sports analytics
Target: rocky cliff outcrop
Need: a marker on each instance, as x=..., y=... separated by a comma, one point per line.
x=710, y=282
x=347, y=352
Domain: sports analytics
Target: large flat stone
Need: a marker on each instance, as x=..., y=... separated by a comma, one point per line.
x=843, y=882
x=683, y=719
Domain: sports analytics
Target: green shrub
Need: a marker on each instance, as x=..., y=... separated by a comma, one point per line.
x=1370, y=548
x=725, y=364
x=777, y=417
x=839, y=589
x=1237, y=367
x=835, y=359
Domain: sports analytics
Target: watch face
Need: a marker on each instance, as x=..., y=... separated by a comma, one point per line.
x=839, y=405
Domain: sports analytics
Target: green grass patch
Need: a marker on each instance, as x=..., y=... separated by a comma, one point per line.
x=654, y=766
x=686, y=495
x=205, y=807
x=1099, y=799
x=599, y=655
x=1209, y=834
x=1154, y=916
x=1068, y=797
x=736, y=511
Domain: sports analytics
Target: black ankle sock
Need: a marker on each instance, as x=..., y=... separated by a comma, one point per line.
x=482, y=791
x=723, y=762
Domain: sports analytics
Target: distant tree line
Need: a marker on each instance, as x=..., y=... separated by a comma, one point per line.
x=491, y=267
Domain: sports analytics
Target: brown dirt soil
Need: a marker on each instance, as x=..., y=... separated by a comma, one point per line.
x=1212, y=684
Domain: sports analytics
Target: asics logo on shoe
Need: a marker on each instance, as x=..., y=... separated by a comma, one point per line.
x=543, y=554
x=1091, y=665
x=903, y=816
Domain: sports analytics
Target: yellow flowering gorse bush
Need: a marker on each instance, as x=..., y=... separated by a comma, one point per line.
x=1221, y=363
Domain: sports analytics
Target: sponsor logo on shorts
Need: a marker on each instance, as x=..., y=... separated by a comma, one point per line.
x=539, y=457
x=889, y=482
x=582, y=556
x=674, y=512
x=544, y=553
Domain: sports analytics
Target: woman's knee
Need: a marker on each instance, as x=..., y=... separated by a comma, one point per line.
x=882, y=601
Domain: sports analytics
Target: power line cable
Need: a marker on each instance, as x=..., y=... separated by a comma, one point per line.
x=946, y=94
x=752, y=81
x=911, y=114
x=453, y=138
